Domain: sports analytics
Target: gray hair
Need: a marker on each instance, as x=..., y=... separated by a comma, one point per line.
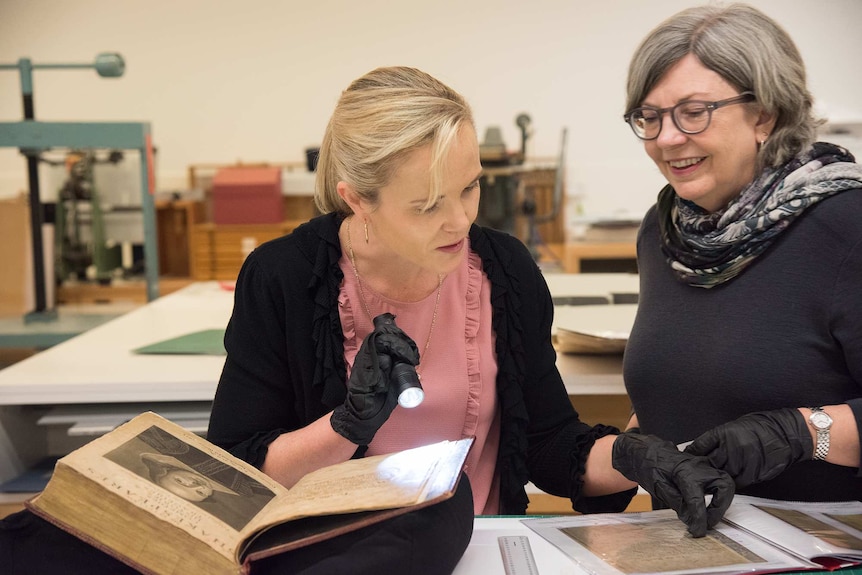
x=379, y=119
x=746, y=48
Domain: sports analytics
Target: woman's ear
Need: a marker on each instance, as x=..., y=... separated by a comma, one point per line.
x=766, y=123
x=349, y=195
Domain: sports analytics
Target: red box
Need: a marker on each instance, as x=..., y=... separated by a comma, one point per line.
x=247, y=196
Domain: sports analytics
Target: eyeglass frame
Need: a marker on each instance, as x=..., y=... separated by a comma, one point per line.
x=742, y=98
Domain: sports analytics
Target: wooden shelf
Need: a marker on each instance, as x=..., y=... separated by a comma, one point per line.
x=218, y=251
x=574, y=254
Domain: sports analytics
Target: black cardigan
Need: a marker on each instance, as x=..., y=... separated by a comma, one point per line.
x=285, y=366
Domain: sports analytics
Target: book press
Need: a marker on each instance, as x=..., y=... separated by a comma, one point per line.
x=33, y=138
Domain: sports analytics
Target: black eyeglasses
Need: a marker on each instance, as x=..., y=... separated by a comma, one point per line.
x=690, y=117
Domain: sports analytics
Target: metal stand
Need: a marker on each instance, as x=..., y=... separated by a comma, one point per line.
x=33, y=138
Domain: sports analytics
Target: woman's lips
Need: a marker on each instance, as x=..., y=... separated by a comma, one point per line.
x=452, y=248
x=684, y=167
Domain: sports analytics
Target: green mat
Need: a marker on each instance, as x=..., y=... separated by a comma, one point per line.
x=204, y=342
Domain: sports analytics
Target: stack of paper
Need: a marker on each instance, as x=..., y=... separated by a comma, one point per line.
x=593, y=329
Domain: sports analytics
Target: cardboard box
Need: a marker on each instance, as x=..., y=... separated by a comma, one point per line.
x=247, y=196
x=17, y=296
x=14, y=255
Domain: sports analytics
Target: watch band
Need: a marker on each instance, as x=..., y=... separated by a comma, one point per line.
x=822, y=446
x=822, y=449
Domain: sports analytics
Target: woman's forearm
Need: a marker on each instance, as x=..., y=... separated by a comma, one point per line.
x=294, y=454
x=600, y=478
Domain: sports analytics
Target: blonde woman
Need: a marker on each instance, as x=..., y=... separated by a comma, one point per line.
x=398, y=184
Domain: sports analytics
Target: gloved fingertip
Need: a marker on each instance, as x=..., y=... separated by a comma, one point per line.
x=721, y=501
x=697, y=530
x=384, y=362
x=694, y=518
x=700, y=446
x=713, y=516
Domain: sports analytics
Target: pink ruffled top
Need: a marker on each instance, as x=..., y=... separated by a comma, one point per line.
x=458, y=372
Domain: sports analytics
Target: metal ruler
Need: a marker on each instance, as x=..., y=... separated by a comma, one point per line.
x=517, y=555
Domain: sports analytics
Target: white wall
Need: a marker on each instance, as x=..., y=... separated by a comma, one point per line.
x=256, y=80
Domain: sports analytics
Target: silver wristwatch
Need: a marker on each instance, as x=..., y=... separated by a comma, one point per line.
x=822, y=424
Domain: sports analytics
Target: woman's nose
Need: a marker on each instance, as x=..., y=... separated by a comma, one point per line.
x=670, y=135
x=458, y=216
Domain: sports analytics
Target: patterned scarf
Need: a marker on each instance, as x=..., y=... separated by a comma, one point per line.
x=708, y=249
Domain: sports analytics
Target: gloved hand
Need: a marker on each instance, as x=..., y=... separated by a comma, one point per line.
x=757, y=446
x=680, y=480
x=371, y=397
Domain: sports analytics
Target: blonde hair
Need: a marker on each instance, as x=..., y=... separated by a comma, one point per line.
x=746, y=48
x=379, y=119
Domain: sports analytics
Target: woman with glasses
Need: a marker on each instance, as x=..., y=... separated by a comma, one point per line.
x=748, y=338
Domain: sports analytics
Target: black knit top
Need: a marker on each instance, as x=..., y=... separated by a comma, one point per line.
x=285, y=366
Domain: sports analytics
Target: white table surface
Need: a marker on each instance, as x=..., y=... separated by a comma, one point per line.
x=483, y=556
x=564, y=285
x=99, y=366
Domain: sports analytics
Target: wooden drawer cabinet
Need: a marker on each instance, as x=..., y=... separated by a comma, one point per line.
x=218, y=251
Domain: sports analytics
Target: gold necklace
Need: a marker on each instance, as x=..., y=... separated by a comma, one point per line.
x=365, y=301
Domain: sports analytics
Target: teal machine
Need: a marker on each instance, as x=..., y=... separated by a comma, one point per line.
x=33, y=138
x=79, y=205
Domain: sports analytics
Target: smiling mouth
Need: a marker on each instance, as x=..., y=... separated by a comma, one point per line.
x=680, y=164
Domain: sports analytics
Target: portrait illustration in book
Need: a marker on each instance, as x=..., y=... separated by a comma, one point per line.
x=186, y=472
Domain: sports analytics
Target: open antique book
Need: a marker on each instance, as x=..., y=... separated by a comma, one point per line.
x=164, y=500
x=755, y=536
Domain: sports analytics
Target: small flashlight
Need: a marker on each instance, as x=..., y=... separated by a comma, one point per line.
x=409, y=389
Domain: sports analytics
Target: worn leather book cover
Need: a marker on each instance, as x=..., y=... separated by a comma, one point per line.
x=164, y=500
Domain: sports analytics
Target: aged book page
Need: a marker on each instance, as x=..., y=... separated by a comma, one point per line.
x=165, y=500
x=827, y=533
x=656, y=542
x=661, y=547
x=404, y=479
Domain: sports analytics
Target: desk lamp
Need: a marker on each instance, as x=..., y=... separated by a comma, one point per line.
x=107, y=65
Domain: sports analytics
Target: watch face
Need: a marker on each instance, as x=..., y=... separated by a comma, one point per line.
x=821, y=420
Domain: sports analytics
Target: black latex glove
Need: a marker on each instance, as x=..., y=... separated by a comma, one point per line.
x=757, y=446
x=371, y=396
x=679, y=480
